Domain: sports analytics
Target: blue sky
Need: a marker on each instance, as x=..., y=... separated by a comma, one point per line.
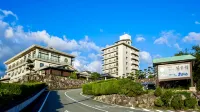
x=158, y=28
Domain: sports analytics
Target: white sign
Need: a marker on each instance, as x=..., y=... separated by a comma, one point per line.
x=170, y=71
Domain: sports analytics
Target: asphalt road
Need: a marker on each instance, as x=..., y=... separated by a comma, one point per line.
x=73, y=101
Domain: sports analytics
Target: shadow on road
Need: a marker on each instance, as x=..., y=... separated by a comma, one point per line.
x=53, y=103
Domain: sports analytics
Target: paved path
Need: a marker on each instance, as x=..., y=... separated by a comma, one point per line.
x=73, y=101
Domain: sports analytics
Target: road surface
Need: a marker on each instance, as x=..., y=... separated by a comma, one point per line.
x=74, y=101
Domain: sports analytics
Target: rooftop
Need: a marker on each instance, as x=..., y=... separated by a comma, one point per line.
x=174, y=59
x=39, y=47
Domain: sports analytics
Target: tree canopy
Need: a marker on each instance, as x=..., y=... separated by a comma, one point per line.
x=195, y=51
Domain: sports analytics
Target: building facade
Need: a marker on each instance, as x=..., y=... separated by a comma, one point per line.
x=120, y=59
x=41, y=57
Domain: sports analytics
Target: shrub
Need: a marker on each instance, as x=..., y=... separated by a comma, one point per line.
x=14, y=92
x=122, y=86
x=185, y=93
x=158, y=102
x=87, y=89
x=166, y=97
x=177, y=102
x=191, y=102
x=131, y=88
x=158, y=92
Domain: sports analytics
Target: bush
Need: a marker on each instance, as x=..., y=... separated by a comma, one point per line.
x=87, y=89
x=122, y=86
x=166, y=97
x=177, y=103
x=131, y=88
x=185, y=93
x=190, y=102
x=158, y=102
x=14, y=92
x=158, y=92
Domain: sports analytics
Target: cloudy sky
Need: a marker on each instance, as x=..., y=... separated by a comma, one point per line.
x=83, y=28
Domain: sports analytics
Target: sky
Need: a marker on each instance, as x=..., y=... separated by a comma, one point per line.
x=83, y=27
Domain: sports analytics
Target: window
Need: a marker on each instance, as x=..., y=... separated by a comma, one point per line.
x=43, y=55
x=126, y=63
x=126, y=68
x=41, y=64
x=126, y=58
x=128, y=42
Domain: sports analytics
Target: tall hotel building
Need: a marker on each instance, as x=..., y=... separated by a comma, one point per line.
x=41, y=57
x=120, y=59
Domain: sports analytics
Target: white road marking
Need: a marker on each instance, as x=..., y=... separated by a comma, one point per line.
x=159, y=110
x=44, y=102
x=81, y=93
x=84, y=104
x=145, y=109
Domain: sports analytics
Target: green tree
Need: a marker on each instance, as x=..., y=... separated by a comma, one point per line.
x=73, y=75
x=95, y=75
x=195, y=51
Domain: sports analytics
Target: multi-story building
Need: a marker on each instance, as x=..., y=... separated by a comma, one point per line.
x=41, y=57
x=120, y=59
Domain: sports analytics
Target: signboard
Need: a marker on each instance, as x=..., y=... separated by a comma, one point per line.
x=174, y=71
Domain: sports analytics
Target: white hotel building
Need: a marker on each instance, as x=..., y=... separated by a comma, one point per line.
x=41, y=57
x=120, y=59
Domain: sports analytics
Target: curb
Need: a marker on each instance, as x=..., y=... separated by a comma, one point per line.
x=136, y=108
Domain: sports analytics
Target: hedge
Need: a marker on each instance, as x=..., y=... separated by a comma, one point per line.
x=121, y=86
x=13, y=93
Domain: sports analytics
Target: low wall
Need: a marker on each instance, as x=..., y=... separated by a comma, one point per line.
x=21, y=106
x=142, y=101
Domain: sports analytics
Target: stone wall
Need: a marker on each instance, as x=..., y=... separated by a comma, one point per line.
x=142, y=101
x=54, y=82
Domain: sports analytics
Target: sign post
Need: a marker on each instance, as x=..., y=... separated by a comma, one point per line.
x=174, y=68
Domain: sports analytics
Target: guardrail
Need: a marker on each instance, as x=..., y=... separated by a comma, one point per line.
x=22, y=105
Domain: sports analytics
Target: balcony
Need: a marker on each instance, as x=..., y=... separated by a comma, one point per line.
x=42, y=58
x=109, y=52
x=110, y=62
x=135, y=63
x=111, y=67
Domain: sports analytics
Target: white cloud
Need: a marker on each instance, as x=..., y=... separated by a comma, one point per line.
x=76, y=53
x=177, y=47
x=192, y=37
x=157, y=56
x=145, y=57
x=94, y=56
x=197, y=22
x=14, y=39
x=9, y=32
x=94, y=66
x=7, y=13
x=140, y=38
x=167, y=37
x=81, y=64
x=101, y=30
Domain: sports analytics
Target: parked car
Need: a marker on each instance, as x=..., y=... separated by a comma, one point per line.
x=149, y=85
